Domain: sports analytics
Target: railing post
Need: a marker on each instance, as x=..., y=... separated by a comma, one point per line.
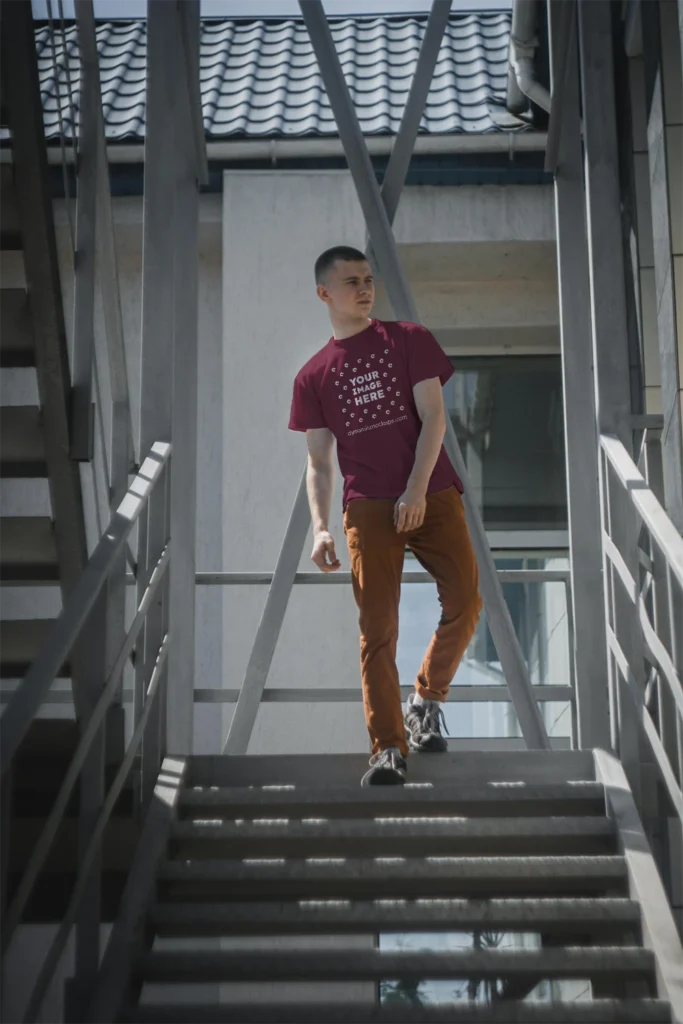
x=183, y=481
x=154, y=633
x=169, y=327
x=589, y=641
x=621, y=618
x=610, y=333
x=5, y=832
x=92, y=790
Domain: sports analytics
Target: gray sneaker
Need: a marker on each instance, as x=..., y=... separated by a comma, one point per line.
x=423, y=726
x=388, y=768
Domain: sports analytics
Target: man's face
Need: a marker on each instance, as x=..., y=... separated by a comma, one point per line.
x=349, y=288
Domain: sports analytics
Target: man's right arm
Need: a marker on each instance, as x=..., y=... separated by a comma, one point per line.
x=320, y=488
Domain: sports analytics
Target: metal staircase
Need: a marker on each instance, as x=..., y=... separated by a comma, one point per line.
x=42, y=524
x=524, y=879
x=266, y=855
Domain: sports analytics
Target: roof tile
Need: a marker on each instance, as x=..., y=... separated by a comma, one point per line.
x=260, y=77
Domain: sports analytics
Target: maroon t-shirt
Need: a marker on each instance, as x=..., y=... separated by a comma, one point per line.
x=361, y=388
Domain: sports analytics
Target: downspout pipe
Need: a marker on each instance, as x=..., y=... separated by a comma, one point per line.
x=523, y=43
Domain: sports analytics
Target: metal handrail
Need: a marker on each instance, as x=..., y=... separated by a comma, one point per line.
x=28, y=697
x=42, y=846
x=653, y=516
x=220, y=579
x=661, y=572
x=87, y=861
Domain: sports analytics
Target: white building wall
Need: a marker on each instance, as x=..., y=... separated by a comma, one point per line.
x=480, y=260
x=275, y=225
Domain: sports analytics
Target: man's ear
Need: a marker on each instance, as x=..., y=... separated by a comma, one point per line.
x=322, y=293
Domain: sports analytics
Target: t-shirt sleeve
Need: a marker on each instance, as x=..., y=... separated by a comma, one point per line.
x=306, y=412
x=425, y=357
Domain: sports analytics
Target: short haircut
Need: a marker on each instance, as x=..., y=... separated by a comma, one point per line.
x=327, y=259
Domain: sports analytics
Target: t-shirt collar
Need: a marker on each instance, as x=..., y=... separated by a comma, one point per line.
x=341, y=342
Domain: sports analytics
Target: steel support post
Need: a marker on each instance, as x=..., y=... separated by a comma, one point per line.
x=384, y=247
x=680, y=26
x=167, y=283
x=610, y=343
x=580, y=421
x=123, y=453
x=82, y=409
x=190, y=31
x=183, y=489
x=94, y=164
x=606, y=258
x=671, y=365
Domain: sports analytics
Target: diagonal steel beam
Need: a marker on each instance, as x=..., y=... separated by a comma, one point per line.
x=566, y=35
x=399, y=159
x=384, y=246
x=268, y=631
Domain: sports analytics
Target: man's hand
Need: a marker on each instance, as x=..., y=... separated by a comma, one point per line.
x=323, y=549
x=409, y=510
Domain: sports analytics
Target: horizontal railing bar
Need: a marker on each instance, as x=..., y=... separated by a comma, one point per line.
x=348, y=694
x=647, y=421
x=28, y=697
x=629, y=585
x=49, y=831
x=457, y=694
x=660, y=527
x=656, y=745
x=618, y=561
x=222, y=579
x=87, y=860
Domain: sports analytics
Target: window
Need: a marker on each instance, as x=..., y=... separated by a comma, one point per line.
x=539, y=614
x=508, y=416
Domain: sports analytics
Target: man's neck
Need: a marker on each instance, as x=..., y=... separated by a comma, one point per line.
x=346, y=328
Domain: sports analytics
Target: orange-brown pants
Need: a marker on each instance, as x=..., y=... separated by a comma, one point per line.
x=442, y=546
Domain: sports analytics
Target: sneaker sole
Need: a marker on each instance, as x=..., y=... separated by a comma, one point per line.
x=383, y=777
x=434, y=745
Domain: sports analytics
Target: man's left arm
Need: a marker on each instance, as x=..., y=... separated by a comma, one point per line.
x=409, y=511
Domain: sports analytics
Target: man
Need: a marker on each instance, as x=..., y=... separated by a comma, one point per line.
x=376, y=388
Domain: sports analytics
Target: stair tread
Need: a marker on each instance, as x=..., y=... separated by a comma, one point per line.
x=326, y=772
x=20, y=642
x=599, y=1011
x=28, y=550
x=16, y=339
x=354, y=802
x=430, y=828
x=373, y=964
x=393, y=837
x=370, y=867
x=259, y=918
x=22, y=446
x=393, y=877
